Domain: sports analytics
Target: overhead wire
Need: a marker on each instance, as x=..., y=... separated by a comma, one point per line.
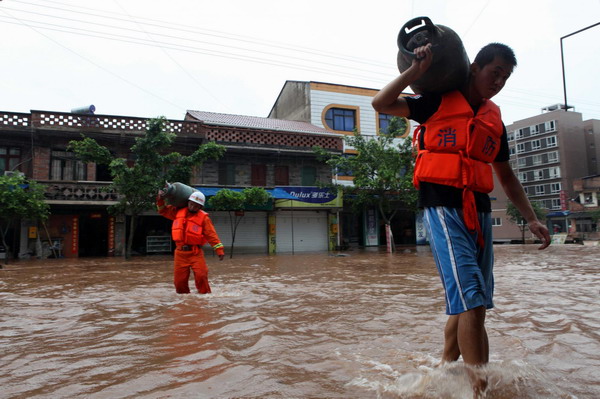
x=94, y=63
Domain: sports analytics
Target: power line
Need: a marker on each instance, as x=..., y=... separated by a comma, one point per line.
x=192, y=49
x=93, y=63
x=206, y=32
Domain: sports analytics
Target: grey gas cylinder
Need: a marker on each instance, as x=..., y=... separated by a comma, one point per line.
x=449, y=69
x=177, y=194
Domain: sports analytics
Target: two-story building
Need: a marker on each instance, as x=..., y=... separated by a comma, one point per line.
x=262, y=152
x=343, y=109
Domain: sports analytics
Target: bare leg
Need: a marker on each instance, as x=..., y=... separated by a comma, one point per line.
x=473, y=345
x=451, y=350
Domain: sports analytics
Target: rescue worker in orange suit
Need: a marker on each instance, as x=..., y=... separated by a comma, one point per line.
x=192, y=228
x=461, y=135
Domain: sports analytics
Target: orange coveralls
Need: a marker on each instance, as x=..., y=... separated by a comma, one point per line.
x=189, y=254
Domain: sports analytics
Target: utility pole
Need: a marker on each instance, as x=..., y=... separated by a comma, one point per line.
x=562, y=58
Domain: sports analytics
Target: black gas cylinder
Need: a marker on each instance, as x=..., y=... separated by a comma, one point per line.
x=449, y=69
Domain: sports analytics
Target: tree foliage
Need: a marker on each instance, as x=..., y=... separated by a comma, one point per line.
x=154, y=164
x=234, y=202
x=515, y=216
x=20, y=199
x=382, y=170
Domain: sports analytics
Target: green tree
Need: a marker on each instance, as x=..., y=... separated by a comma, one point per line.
x=235, y=202
x=515, y=216
x=137, y=185
x=382, y=171
x=20, y=198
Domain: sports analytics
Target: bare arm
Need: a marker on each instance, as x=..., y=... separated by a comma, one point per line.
x=514, y=190
x=388, y=99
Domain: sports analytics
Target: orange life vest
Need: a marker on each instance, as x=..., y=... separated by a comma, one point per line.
x=458, y=148
x=188, y=229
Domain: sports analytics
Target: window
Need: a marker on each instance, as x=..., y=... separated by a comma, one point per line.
x=402, y=127
x=555, y=203
x=588, y=198
x=536, y=144
x=549, y=126
x=65, y=166
x=537, y=159
x=496, y=221
x=282, y=175
x=518, y=134
x=551, y=141
x=512, y=151
x=553, y=156
x=533, y=130
x=554, y=172
x=539, y=190
x=341, y=119
x=309, y=175
x=538, y=174
x=258, y=175
x=523, y=177
x=520, y=148
x=555, y=188
x=510, y=136
x=226, y=174
x=10, y=157
x=522, y=162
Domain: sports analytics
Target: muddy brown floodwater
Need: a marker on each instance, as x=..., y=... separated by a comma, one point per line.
x=363, y=324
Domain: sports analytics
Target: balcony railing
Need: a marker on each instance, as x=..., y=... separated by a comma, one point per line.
x=69, y=192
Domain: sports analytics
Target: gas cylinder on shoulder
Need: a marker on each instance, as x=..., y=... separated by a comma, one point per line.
x=449, y=68
x=177, y=194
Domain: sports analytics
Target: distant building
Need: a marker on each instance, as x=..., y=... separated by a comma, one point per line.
x=549, y=152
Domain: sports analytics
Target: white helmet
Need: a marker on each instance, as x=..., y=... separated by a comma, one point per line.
x=197, y=197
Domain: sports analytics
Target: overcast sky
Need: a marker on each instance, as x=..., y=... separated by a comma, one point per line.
x=149, y=58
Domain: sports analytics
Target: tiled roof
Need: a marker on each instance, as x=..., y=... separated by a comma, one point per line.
x=255, y=122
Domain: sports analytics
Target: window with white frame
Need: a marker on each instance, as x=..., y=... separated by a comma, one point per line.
x=588, y=198
x=511, y=151
x=522, y=177
x=550, y=126
x=555, y=203
x=535, y=129
x=537, y=159
x=520, y=148
x=555, y=188
x=536, y=144
x=539, y=190
x=538, y=174
x=551, y=141
x=554, y=172
x=522, y=162
x=510, y=136
x=496, y=221
x=553, y=156
x=518, y=134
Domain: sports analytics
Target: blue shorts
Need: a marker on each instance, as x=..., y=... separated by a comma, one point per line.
x=464, y=268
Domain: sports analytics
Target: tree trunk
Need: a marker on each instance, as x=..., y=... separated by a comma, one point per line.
x=389, y=237
x=4, y=244
x=132, y=225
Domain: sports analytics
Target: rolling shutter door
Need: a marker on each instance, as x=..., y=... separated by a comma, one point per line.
x=306, y=232
x=251, y=234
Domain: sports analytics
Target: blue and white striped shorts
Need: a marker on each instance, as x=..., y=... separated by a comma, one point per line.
x=464, y=268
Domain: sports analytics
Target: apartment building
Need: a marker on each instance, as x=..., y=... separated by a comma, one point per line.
x=549, y=152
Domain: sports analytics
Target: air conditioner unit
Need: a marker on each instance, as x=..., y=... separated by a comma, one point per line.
x=13, y=173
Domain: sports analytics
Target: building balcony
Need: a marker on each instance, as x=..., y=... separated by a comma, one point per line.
x=78, y=193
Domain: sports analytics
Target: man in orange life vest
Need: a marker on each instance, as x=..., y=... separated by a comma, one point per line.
x=461, y=134
x=191, y=229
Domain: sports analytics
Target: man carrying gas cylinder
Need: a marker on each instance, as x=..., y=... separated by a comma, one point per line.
x=192, y=228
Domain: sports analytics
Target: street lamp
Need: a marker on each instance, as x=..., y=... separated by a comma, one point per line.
x=562, y=58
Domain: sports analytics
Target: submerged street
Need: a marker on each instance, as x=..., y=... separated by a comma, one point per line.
x=359, y=324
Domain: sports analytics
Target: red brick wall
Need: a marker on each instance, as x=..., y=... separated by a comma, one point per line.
x=41, y=163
